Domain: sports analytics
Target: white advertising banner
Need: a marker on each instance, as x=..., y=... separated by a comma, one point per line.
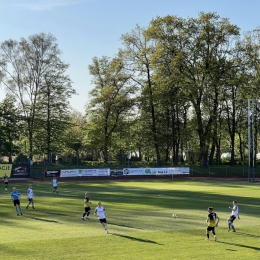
x=179, y=170
x=156, y=171
x=69, y=173
x=103, y=172
x=94, y=172
x=133, y=171
x=84, y=172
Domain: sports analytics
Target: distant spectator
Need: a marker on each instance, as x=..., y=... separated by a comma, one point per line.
x=5, y=178
x=53, y=158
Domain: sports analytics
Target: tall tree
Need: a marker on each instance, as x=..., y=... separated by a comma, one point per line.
x=26, y=66
x=10, y=127
x=199, y=48
x=138, y=51
x=111, y=98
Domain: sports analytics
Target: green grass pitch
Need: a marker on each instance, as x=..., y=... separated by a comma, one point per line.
x=139, y=218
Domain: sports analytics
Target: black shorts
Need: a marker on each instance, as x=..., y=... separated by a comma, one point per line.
x=103, y=220
x=87, y=209
x=16, y=202
x=210, y=228
x=30, y=199
x=232, y=218
x=55, y=187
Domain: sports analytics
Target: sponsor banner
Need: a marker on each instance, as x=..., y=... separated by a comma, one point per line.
x=133, y=171
x=5, y=169
x=21, y=170
x=103, y=172
x=52, y=173
x=156, y=171
x=94, y=172
x=69, y=173
x=116, y=172
x=179, y=170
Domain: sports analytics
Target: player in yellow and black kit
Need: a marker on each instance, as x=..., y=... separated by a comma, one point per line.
x=86, y=206
x=212, y=221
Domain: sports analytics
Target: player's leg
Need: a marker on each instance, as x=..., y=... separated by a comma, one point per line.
x=232, y=226
x=104, y=223
x=229, y=223
x=207, y=233
x=88, y=213
x=84, y=214
x=214, y=234
x=28, y=204
x=20, y=210
x=32, y=201
x=16, y=208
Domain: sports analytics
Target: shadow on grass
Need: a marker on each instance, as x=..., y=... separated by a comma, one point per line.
x=136, y=239
x=247, y=235
x=240, y=245
x=123, y=225
x=42, y=219
x=53, y=213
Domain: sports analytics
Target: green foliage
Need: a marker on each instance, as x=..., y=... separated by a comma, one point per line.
x=178, y=88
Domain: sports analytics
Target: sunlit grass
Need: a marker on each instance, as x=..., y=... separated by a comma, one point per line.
x=139, y=221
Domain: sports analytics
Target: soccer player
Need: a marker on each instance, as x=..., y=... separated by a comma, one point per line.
x=5, y=178
x=86, y=206
x=30, y=196
x=15, y=197
x=233, y=216
x=55, y=185
x=212, y=221
x=101, y=214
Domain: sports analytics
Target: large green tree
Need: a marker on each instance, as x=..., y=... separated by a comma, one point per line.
x=111, y=98
x=33, y=72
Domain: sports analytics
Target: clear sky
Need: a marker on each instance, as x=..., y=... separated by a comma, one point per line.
x=88, y=28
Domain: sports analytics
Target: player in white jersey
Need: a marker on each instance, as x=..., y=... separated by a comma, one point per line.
x=233, y=216
x=101, y=214
x=30, y=195
x=55, y=185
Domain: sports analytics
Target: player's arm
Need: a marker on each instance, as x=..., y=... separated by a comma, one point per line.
x=217, y=220
x=12, y=198
x=207, y=220
x=233, y=208
x=95, y=212
x=238, y=216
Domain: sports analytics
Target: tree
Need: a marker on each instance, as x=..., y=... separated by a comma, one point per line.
x=199, y=50
x=111, y=98
x=29, y=66
x=138, y=51
x=75, y=133
x=10, y=127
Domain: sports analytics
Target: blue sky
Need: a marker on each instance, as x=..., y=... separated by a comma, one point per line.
x=88, y=28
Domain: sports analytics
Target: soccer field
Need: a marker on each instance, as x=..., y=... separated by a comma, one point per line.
x=139, y=219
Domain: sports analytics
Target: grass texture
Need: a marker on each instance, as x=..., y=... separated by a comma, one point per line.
x=139, y=219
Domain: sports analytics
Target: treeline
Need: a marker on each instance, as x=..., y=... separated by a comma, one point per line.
x=176, y=90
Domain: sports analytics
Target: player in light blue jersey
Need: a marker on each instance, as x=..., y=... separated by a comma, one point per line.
x=15, y=197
